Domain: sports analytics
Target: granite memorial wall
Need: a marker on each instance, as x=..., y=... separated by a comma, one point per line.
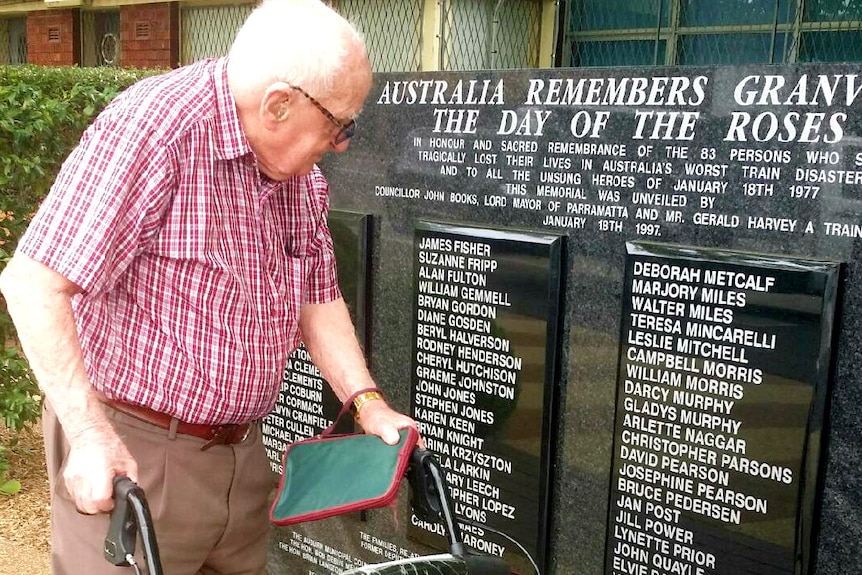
x=622, y=305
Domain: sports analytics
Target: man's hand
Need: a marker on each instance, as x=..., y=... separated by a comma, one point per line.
x=95, y=457
x=377, y=418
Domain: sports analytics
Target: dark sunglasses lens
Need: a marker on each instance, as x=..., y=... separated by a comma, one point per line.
x=346, y=132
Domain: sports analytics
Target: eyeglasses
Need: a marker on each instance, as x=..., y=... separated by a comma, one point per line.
x=345, y=131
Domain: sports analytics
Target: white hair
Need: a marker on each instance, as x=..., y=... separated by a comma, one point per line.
x=302, y=42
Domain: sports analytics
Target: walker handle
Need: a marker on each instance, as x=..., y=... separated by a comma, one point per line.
x=131, y=515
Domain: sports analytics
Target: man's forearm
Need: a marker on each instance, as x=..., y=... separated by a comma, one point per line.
x=330, y=338
x=331, y=341
x=39, y=301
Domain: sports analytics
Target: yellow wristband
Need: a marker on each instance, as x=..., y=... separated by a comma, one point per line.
x=364, y=398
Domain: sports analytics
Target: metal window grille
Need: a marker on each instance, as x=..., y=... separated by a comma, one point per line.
x=18, y=41
x=480, y=34
x=100, y=33
x=5, y=43
x=53, y=33
x=700, y=32
x=88, y=39
x=210, y=30
x=392, y=30
x=475, y=34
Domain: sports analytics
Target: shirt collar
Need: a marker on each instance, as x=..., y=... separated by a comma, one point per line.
x=230, y=141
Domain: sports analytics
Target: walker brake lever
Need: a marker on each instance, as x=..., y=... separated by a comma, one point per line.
x=424, y=498
x=430, y=496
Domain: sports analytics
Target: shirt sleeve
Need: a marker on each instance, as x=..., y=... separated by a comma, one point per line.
x=105, y=205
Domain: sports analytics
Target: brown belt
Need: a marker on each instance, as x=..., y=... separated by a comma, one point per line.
x=228, y=434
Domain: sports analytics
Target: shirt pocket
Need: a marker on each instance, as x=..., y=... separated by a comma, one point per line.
x=292, y=285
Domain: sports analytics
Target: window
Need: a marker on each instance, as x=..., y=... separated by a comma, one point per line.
x=707, y=32
x=13, y=41
x=100, y=31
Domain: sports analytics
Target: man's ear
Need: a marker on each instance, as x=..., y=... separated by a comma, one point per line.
x=275, y=104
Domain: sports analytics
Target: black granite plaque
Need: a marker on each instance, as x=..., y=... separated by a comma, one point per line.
x=305, y=407
x=306, y=404
x=724, y=365
x=484, y=365
x=726, y=155
x=350, y=239
x=763, y=159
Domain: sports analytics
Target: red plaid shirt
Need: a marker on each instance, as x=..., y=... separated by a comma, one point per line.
x=193, y=265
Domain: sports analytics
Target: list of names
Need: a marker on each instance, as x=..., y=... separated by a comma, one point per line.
x=463, y=364
x=299, y=411
x=682, y=454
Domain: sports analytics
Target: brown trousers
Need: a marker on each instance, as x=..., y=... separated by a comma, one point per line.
x=209, y=508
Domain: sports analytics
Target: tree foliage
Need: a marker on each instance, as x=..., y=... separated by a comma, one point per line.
x=43, y=112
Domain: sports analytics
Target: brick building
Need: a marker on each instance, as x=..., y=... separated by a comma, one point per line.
x=90, y=33
x=414, y=35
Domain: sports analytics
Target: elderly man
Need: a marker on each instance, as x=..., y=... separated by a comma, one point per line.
x=180, y=257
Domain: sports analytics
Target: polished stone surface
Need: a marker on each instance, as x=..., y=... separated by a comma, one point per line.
x=744, y=159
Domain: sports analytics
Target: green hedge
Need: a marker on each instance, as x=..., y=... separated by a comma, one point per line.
x=43, y=112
